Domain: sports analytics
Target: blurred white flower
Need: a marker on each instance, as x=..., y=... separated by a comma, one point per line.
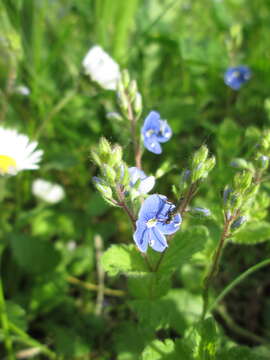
x=101, y=68
x=22, y=90
x=50, y=192
x=17, y=152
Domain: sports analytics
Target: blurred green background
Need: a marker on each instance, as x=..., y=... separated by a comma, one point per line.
x=177, y=51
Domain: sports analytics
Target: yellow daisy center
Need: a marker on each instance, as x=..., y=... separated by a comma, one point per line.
x=6, y=164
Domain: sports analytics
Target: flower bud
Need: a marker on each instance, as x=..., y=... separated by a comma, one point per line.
x=200, y=156
x=138, y=103
x=102, y=187
x=104, y=147
x=242, y=180
x=125, y=78
x=114, y=116
x=117, y=154
x=263, y=162
x=95, y=157
x=240, y=163
x=133, y=89
x=238, y=222
x=109, y=173
x=210, y=164
x=199, y=211
x=125, y=179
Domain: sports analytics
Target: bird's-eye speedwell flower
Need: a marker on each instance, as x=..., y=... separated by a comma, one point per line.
x=17, y=153
x=156, y=218
x=101, y=68
x=146, y=182
x=155, y=131
x=236, y=76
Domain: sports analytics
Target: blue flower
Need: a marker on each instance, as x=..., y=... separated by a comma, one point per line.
x=156, y=219
x=146, y=182
x=236, y=76
x=155, y=131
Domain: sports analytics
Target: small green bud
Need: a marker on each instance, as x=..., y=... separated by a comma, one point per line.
x=104, y=147
x=125, y=78
x=240, y=163
x=242, y=181
x=108, y=173
x=200, y=156
x=95, y=157
x=210, y=164
x=114, y=116
x=262, y=162
x=123, y=102
x=117, y=154
x=138, y=103
x=102, y=187
x=133, y=89
x=198, y=173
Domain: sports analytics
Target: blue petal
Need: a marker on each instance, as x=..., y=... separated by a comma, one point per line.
x=151, y=207
x=141, y=236
x=147, y=185
x=152, y=122
x=157, y=240
x=171, y=227
x=165, y=132
x=135, y=174
x=151, y=143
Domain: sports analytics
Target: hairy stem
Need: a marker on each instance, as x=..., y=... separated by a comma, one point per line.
x=100, y=273
x=136, y=142
x=215, y=264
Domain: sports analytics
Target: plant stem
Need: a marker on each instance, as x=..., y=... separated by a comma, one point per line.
x=5, y=321
x=28, y=340
x=236, y=281
x=215, y=264
x=181, y=207
x=238, y=329
x=100, y=274
x=94, y=287
x=136, y=143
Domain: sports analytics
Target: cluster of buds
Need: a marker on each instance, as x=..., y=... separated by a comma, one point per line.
x=128, y=96
x=238, y=198
x=201, y=165
x=114, y=172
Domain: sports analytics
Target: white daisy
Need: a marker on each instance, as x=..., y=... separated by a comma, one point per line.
x=50, y=192
x=101, y=68
x=17, y=152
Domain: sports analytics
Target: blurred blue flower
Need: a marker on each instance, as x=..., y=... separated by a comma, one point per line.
x=238, y=222
x=155, y=131
x=236, y=76
x=156, y=219
x=146, y=182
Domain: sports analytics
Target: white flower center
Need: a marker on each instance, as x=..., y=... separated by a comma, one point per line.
x=151, y=223
x=149, y=133
x=7, y=164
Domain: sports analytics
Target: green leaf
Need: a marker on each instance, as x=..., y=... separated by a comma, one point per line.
x=123, y=259
x=149, y=286
x=240, y=352
x=33, y=254
x=204, y=339
x=158, y=350
x=16, y=314
x=253, y=233
x=183, y=246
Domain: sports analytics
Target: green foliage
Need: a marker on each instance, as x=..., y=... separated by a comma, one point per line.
x=123, y=259
x=34, y=255
x=184, y=245
x=253, y=233
x=158, y=350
